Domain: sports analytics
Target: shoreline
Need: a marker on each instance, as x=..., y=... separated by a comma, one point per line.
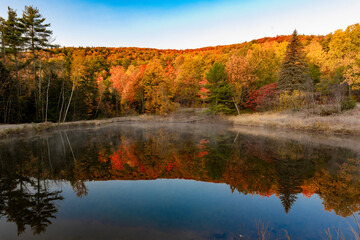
x=35, y=129
x=333, y=140
x=347, y=123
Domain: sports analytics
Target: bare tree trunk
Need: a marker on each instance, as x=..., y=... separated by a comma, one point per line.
x=71, y=95
x=37, y=88
x=17, y=86
x=74, y=106
x=62, y=105
x=34, y=62
x=9, y=112
x=40, y=95
x=6, y=107
x=47, y=99
x=3, y=51
x=237, y=109
x=62, y=99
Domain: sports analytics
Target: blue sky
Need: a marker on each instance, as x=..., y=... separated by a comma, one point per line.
x=182, y=24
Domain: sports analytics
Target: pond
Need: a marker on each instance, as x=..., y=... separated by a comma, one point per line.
x=184, y=181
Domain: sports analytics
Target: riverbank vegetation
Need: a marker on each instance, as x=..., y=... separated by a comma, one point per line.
x=340, y=123
x=42, y=82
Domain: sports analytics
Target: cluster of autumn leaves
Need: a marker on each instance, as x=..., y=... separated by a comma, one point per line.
x=62, y=84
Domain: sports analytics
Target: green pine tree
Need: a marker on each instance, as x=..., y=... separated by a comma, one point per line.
x=294, y=73
x=220, y=92
x=2, y=39
x=37, y=38
x=13, y=36
x=37, y=34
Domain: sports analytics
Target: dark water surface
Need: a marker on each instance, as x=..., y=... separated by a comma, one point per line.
x=176, y=182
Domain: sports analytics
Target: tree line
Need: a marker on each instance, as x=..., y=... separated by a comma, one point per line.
x=40, y=81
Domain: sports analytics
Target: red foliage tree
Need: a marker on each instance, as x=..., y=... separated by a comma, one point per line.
x=262, y=98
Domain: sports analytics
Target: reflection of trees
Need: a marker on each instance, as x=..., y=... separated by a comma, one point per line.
x=25, y=207
x=80, y=188
x=16, y=198
x=29, y=204
x=218, y=155
x=292, y=164
x=251, y=170
x=289, y=177
x=18, y=206
x=26, y=200
x=43, y=208
x=341, y=191
x=248, y=164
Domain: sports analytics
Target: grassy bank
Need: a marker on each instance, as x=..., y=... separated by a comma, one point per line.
x=347, y=122
x=187, y=115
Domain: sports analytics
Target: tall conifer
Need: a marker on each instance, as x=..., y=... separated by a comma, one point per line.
x=220, y=92
x=2, y=39
x=37, y=37
x=294, y=72
x=13, y=36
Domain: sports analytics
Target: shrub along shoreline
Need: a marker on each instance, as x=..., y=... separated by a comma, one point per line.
x=347, y=122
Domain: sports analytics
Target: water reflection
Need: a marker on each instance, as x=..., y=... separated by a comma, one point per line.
x=32, y=171
x=25, y=195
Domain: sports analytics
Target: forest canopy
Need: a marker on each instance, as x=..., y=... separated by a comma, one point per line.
x=43, y=82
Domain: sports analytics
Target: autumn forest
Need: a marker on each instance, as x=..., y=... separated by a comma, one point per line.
x=115, y=122
x=41, y=81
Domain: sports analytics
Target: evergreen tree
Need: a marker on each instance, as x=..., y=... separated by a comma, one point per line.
x=37, y=37
x=13, y=36
x=220, y=92
x=294, y=72
x=2, y=39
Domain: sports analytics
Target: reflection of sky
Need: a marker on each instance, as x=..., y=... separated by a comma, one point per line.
x=186, y=23
x=178, y=208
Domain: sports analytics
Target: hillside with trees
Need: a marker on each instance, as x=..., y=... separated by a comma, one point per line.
x=41, y=82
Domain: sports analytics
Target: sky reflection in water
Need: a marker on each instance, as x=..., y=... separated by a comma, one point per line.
x=179, y=182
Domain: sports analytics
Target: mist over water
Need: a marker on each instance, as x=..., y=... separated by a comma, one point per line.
x=177, y=181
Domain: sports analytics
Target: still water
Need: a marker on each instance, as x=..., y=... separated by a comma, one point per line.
x=177, y=182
